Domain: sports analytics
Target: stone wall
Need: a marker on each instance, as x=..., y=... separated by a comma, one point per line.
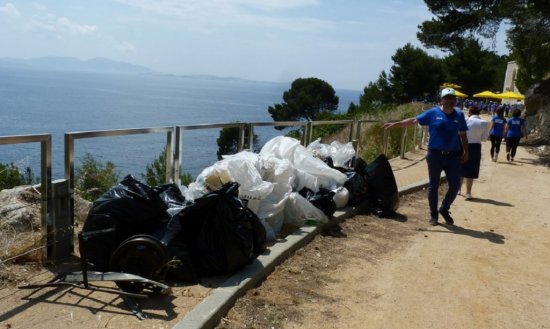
x=537, y=112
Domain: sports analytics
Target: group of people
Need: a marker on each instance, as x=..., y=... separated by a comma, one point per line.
x=489, y=107
x=454, y=146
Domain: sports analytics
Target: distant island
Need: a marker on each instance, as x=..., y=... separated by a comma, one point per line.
x=97, y=65
x=94, y=65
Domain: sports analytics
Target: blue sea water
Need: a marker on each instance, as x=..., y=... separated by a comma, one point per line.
x=55, y=102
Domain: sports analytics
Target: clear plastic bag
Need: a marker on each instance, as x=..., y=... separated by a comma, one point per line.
x=298, y=209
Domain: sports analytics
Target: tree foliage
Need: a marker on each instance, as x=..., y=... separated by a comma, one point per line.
x=414, y=74
x=155, y=172
x=528, y=36
x=228, y=141
x=93, y=178
x=474, y=67
x=306, y=99
x=379, y=91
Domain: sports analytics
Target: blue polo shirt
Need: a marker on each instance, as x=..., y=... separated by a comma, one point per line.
x=514, y=127
x=443, y=128
x=498, y=126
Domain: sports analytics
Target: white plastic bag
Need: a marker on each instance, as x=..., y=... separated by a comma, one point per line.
x=280, y=147
x=272, y=207
x=326, y=177
x=318, y=149
x=242, y=171
x=277, y=170
x=298, y=209
x=341, y=197
x=253, y=158
x=341, y=153
x=311, y=172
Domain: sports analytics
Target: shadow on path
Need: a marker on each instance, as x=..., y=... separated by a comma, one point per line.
x=491, y=201
x=490, y=236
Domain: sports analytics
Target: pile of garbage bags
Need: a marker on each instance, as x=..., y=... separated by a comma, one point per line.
x=223, y=219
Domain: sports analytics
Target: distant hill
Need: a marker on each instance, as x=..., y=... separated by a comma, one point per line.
x=98, y=65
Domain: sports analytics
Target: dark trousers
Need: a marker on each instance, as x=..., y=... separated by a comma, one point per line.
x=512, y=145
x=450, y=164
x=495, y=145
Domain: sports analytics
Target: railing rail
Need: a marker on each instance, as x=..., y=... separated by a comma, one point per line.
x=45, y=141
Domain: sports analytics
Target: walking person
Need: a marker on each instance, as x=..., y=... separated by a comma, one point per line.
x=515, y=129
x=498, y=122
x=447, y=148
x=477, y=133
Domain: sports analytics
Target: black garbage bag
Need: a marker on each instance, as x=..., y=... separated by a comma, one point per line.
x=180, y=267
x=357, y=164
x=221, y=233
x=329, y=162
x=382, y=188
x=324, y=199
x=357, y=186
x=356, y=182
x=127, y=209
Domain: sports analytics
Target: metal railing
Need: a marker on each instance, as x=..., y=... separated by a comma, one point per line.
x=70, y=138
x=351, y=124
x=45, y=141
x=178, y=149
x=174, y=154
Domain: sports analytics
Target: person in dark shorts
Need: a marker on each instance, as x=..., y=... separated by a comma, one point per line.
x=498, y=123
x=515, y=129
x=477, y=133
x=447, y=148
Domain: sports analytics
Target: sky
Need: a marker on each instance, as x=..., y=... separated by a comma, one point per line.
x=347, y=43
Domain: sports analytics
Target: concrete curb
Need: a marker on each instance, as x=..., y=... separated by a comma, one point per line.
x=210, y=311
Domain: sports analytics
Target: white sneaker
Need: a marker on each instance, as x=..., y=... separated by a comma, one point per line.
x=468, y=196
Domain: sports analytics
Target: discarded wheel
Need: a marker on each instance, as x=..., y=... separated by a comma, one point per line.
x=141, y=255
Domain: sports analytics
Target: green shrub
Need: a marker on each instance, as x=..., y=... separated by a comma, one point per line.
x=372, y=138
x=93, y=178
x=155, y=172
x=10, y=176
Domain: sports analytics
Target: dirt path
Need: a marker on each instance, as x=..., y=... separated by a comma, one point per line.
x=492, y=270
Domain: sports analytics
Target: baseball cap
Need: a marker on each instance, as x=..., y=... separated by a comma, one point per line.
x=447, y=91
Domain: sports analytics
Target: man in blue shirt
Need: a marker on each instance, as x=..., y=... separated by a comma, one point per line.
x=447, y=149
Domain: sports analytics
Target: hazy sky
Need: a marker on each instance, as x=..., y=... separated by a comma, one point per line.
x=344, y=42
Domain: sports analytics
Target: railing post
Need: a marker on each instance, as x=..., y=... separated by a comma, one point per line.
x=69, y=175
x=250, y=137
x=241, y=137
x=385, y=141
x=415, y=137
x=357, y=136
x=61, y=244
x=403, y=142
x=424, y=136
x=309, y=134
x=177, y=155
x=46, y=191
x=168, y=157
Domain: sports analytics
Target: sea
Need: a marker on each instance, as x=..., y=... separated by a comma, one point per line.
x=57, y=102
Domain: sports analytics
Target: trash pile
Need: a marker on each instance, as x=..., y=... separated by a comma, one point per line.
x=223, y=220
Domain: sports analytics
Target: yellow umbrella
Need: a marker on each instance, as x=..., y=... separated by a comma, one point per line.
x=449, y=85
x=510, y=95
x=459, y=94
x=486, y=94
